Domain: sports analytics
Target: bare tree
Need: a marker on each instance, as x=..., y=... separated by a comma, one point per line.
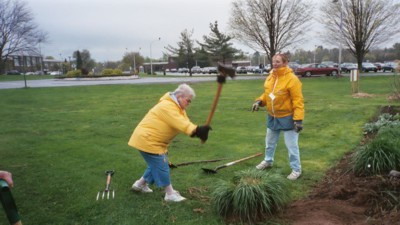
x=185, y=50
x=365, y=24
x=270, y=25
x=18, y=32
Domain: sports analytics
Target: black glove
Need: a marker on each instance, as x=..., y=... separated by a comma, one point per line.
x=221, y=79
x=202, y=132
x=298, y=125
x=255, y=106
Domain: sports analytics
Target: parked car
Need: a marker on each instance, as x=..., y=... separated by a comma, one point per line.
x=294, y=65
x=329, y=63
x=252, y=69
x=390, y=66
x=55, y=73
x=183, y=70
x=13, y=72
x=30, y=73
x=241, y=69
x=267, y=68
x=347, y=67
x=196, y=69
x=367, y=67
x=316, y=69
x=379, y=65
x=210, y=70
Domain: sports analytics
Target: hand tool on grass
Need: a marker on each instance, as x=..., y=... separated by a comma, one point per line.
x=8, y=203
x=172, y=166
x=212, y=171
x=107, y=191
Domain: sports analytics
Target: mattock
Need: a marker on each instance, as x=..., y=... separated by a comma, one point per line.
x=107, y=191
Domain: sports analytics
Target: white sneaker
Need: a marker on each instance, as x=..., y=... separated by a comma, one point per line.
x=263, y=165
x=141, y=188
x=175, y=197
x=294, y=175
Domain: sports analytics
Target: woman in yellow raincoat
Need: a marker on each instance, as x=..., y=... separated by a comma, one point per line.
x=153, y=134
x=284, y=101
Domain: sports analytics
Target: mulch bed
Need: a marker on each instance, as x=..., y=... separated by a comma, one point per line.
x=343, y=198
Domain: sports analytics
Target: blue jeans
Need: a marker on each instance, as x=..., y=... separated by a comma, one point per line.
x=157, y=170
x=291, y=142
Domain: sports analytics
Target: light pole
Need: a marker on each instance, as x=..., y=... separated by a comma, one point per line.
x=61, y=64
x=315, y=51
x=23, y=66
x=341, y=33
x=134, y=61
x=41, y=57
x=151, y=60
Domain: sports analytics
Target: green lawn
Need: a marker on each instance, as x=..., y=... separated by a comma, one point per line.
x=58, y=142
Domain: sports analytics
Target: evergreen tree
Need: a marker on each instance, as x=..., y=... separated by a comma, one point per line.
x=217, y=45
x=77, y=56
x=184, y=51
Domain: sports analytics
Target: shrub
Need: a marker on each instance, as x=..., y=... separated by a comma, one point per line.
x=250, y=196
x=381, y=155
x=384, y=119
x=74, y=73
x=111, y=72
x=107, y=72
x=117, y=72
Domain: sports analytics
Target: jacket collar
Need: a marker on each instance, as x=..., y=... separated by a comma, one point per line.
x=282, y=71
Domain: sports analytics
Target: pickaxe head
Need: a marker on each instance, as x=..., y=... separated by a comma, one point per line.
x=226, y=71
x=110, y=172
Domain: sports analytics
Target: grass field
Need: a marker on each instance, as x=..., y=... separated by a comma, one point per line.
x=58, y=142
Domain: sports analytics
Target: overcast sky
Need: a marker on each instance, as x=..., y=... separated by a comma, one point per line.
x=109, y=28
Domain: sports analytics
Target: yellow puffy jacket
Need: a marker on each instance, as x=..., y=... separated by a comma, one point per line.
x=286, y=87
x=160, y=125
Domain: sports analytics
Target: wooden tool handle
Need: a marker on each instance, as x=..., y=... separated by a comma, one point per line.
x=214, y=105
x=108, y=182
x=240, y=160
x=200, y=161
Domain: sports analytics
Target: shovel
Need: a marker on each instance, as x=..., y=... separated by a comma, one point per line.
x=212, y=171
x=107, y=191
x=172, y=166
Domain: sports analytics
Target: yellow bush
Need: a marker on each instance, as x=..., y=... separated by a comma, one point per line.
x=74, y=73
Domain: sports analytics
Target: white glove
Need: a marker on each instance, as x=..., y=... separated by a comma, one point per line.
x=255, y=106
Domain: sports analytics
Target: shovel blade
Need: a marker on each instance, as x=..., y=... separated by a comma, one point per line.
x=209, y=171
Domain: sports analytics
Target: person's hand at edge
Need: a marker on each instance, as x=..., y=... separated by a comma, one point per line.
x=7, y=176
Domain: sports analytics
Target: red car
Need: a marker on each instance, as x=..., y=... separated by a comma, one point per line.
x=316, y=69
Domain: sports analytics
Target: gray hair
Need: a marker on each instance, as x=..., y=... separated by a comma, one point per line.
x=184, y=90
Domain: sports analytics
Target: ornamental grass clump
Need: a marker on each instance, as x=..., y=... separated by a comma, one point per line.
x=250, y=196
x=381, y=155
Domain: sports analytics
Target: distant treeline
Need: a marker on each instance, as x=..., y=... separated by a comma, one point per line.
x=324, y=54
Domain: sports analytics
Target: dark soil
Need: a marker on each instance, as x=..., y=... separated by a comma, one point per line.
x=343, y=198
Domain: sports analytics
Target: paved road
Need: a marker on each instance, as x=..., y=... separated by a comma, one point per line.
x=146, y=80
